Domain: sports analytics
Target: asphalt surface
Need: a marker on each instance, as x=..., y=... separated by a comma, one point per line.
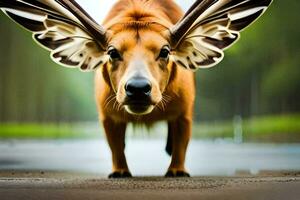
x=63, y=170
x=62, y=186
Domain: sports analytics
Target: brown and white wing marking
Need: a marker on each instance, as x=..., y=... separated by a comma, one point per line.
x=209, y=27
x=67, y=34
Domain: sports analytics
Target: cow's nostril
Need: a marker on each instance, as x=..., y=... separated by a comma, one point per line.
x=138, y=87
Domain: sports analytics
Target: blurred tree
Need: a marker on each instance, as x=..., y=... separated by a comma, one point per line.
x=260, y=73
x=33, y=88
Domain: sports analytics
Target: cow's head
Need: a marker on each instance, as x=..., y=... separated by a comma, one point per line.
x=139, y=69
x=139, y=65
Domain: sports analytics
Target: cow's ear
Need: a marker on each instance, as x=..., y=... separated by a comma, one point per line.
x=209, y=27
x=63, y=28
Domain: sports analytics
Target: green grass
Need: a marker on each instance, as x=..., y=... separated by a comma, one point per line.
x=45, y=131
x=283, y=128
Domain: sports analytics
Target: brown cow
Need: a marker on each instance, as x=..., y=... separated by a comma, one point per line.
x=145, y=55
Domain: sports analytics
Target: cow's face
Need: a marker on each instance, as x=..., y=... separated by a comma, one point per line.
x=139, y=69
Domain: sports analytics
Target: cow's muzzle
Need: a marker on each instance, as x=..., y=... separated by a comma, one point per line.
x=138, y=96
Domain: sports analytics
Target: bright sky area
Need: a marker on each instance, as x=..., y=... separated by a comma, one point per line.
x=99, y=8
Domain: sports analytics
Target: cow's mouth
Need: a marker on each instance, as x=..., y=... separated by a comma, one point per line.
x=139, y=109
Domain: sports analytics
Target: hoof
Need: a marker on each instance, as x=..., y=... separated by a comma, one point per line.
x=176, y=174
x=123, y=174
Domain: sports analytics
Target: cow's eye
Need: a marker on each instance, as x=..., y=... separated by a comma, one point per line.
x=114, y=54
x=164, y=53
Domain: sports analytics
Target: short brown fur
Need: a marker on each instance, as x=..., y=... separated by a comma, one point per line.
x=139, y=28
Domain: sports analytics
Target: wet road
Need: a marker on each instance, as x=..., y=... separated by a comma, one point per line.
x=147, y=157
x=64, y=170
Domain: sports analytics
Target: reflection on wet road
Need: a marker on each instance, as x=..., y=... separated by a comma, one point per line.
x=147, y=157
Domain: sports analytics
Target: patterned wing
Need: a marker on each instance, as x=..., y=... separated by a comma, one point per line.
x=57, y=30
x=216, y=29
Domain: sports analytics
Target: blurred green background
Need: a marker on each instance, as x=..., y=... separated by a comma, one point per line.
x=255, y=91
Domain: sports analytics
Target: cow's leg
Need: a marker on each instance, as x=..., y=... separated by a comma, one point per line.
x=181, y=133
x=115, y=134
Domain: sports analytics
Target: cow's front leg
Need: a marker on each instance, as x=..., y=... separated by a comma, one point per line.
x=115, y=134
x=181, y=133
